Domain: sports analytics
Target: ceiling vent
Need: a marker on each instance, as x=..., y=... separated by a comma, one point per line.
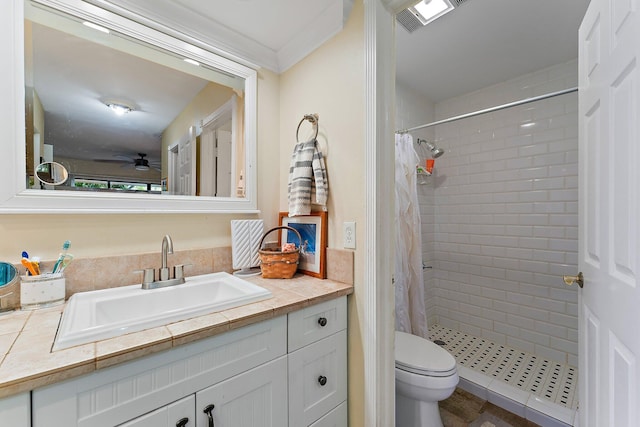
x=411, y=19
x=408, y=20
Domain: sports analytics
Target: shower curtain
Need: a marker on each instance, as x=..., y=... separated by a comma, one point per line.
x=409, y=284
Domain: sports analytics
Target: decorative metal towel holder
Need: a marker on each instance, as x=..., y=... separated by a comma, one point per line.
x=313, y=119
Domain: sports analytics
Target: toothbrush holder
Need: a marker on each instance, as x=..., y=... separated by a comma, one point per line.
x=44, y=290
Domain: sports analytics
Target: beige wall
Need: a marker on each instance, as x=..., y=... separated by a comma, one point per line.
x=330, y=82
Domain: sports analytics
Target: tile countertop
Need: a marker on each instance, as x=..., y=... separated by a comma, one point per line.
x=26, y=337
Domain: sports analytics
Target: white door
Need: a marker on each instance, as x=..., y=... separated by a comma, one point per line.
x=223, y=162
x=207, y=161
x=609, y=255
x=187, y=164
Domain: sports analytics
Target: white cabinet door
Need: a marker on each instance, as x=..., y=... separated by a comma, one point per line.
x=15, y=410
x=317, y=379
x=176, y=414
x=256, y=398
x=336, y=418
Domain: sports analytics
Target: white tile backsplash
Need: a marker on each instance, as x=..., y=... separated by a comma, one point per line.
x=500, y=214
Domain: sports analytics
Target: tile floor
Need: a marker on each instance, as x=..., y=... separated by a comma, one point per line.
x=527, y=385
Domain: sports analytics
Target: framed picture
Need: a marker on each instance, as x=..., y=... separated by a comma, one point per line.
x=313, y=248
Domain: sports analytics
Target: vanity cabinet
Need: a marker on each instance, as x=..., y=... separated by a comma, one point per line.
x=122, y=393
x=286, y=371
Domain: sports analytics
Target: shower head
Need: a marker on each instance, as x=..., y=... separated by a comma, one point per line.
x=435, y=151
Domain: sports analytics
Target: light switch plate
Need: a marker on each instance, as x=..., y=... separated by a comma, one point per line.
x=349, y=235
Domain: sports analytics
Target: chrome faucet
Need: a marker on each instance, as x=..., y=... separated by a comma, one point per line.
x=167, y=248
x=164, y=276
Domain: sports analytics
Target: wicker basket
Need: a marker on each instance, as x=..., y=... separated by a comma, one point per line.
x=276, y=264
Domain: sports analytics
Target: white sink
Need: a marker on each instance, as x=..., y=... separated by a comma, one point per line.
x=96, y=315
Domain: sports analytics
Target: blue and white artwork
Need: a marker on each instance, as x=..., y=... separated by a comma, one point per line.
x=308, y=244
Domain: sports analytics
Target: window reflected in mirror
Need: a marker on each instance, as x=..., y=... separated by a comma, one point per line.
x=124, y=116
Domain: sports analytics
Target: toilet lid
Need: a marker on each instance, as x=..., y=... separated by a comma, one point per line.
x=421, y=356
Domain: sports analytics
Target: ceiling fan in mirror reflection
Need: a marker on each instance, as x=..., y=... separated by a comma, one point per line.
x=139, y=163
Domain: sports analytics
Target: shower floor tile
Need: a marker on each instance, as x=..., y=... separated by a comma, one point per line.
x=541, y=377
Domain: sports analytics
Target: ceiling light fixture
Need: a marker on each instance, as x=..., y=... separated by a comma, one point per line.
x=141, y=164
x=119, y=109
x=429, y=10
x=96, y=27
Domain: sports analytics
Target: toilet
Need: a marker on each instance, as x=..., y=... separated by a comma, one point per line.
x=425, y=374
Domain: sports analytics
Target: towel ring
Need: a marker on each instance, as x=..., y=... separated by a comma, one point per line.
x=313, y=119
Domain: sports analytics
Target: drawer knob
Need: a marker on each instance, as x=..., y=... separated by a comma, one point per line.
x=322, y=380
x=322, y=321
x=182, y=422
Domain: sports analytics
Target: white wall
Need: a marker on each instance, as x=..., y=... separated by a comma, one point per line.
x=505, y=213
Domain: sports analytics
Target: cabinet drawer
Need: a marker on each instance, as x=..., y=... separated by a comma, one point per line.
x=169, y=416
x=316, y=322
x=336, y=418
x=317, y=379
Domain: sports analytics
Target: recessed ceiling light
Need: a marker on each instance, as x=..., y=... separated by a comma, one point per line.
x=429, y=10
x=96, y=27
x=119, y=109
x=191, y=61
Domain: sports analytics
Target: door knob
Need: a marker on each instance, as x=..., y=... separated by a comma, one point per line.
x=570, y=280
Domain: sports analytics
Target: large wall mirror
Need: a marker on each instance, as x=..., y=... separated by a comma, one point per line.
x=141, y=121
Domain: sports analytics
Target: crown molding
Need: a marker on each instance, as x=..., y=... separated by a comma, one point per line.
x=188, y=26
x=325, y=26
x=191, y=27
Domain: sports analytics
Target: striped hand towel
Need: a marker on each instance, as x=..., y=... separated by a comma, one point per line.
x=307, y=178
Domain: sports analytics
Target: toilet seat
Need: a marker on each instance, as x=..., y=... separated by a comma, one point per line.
x=422, y=357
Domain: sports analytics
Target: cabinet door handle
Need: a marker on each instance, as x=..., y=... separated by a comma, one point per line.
x=322, y=321
x=208, y=410
x=322, y=380
x=182, y=422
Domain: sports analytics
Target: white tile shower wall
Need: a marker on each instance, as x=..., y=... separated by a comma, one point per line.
x=413, y=110
x=505, y=217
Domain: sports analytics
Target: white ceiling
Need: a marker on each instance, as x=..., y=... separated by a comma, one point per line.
x=480, y=43
x=484, y=42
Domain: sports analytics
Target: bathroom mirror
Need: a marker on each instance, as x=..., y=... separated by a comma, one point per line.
x=143, y=122
x=8, y=274
x=51, y=173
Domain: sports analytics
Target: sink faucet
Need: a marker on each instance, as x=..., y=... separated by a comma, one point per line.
x=164, y=279
x=167, y=248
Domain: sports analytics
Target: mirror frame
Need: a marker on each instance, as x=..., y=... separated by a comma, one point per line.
x=16, y=198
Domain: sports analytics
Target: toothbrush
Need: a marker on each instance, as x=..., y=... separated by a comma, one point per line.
x=35, y=263
x=65, y=262
x=29, y=266
x=65, y=248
